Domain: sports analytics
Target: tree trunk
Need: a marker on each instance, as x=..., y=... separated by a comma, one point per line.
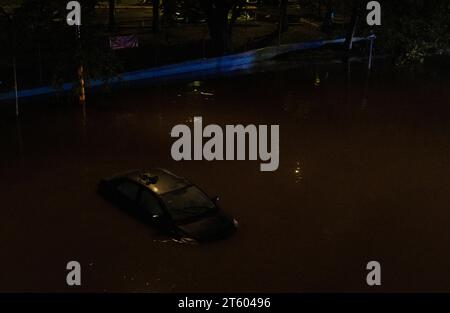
x=155, y=22
x=169, y=8
x=218, y=25
x=282, y=21
x=112, y=14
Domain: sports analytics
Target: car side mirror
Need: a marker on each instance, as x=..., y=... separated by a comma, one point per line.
x=157, y=219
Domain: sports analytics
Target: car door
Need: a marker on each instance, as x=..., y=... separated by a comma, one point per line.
x=128, y=192
x=149, y=205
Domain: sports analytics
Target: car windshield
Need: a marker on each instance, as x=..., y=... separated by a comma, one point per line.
x=187, y=203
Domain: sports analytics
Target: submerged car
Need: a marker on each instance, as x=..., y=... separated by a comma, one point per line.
x=169, y=203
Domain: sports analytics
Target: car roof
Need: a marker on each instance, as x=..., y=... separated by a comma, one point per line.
x=158, y=180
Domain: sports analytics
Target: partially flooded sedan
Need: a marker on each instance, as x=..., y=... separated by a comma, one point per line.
x=169, y=203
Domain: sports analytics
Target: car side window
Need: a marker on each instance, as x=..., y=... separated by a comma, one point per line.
x=149, y=203
x=128, y=189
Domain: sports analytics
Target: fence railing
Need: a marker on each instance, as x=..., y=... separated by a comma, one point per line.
x=219, y=65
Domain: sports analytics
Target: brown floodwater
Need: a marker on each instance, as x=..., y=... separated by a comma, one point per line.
x=364, y=175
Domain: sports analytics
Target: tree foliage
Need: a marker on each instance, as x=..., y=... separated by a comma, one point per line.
x=413, y=29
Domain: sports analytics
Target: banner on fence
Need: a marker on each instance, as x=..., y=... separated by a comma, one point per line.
x=123, y=42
